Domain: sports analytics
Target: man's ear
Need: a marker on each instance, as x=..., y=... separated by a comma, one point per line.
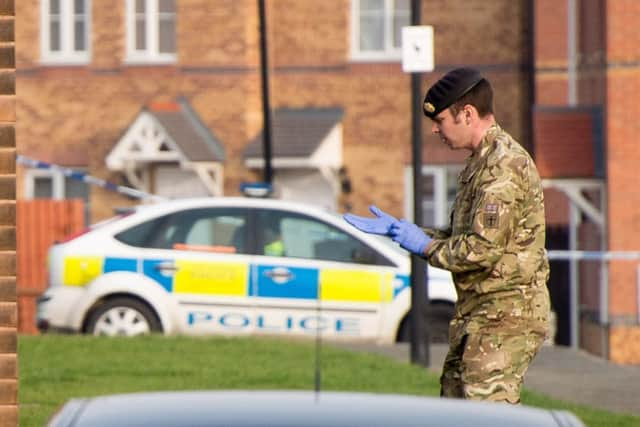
x=469, y=113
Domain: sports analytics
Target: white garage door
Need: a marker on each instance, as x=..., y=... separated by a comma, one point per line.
x=307, y=186
x=173, y=182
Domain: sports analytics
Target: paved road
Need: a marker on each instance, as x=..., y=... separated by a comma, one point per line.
x=559, y=372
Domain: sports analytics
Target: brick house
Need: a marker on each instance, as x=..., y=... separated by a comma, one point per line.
x=150, y=92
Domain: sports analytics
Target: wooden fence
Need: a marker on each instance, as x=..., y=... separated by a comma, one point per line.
x=40, y=223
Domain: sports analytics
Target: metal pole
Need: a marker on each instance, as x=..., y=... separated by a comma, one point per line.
x=419, y=278
x=266, y=107
x=574, y=222
x=604, y=280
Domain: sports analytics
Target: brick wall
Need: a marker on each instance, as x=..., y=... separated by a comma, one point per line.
x=623, y=127
x=550, y=52
x=220, y=33
x=560, y=135
x=623, y=194
x=623, y=343
x=313, y=37
x=8, y=305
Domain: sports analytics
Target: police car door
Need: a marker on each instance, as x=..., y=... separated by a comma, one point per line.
x=205, y=265
x=310, y=276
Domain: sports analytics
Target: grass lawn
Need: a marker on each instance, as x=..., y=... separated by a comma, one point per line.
x=54, y=368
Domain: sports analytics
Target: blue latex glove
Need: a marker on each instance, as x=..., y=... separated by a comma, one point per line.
x=409, y=236
x=378, y=225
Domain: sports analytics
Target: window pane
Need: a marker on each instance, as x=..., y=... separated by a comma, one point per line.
x=371, y=25
x=427, y=186
x=193, y=229
x=167, y=30
x=297, y=236
x=368, y=5
x=217, y=230
x=141, y=234
x=371, y=33
x=398, y=23
x=78, y=7
x=74, y=189
x=271, y=241
x=402, y=6
x=428, y=214
x=140, y=6
x=141, y=34
x=54, y=7
x=167, y=6
x=42, y=188
x=79, y=36
x=401, y=18
x=54, y=36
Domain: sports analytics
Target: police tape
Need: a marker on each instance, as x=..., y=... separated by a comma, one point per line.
x=88, y=179
x=592, y=255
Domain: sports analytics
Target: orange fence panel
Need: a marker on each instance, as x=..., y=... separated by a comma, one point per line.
x=40, y=223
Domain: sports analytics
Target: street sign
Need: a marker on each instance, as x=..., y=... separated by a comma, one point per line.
x=417, y=48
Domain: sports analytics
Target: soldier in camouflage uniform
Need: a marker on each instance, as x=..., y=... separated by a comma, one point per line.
x=494, y=246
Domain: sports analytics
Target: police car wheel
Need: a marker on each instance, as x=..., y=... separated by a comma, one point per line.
x=123, y=316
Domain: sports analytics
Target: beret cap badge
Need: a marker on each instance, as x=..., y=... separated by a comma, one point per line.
x=429, y=107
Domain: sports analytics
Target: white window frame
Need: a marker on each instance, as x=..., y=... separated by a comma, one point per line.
x=151, y=53
x=390, y=53
x=57, y=183
x=66, y=55
x=440, y=192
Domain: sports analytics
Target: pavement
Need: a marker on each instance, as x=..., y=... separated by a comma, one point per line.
x=560, y=372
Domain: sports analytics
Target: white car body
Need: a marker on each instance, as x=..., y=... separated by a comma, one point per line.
x=201, y=290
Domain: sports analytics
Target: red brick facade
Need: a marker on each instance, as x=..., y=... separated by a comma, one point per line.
x=623, y=157
x=607, y=78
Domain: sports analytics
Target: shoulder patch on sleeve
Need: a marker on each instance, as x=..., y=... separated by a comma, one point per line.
x=491, y=215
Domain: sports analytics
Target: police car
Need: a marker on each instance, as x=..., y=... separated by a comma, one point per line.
x=235, y=266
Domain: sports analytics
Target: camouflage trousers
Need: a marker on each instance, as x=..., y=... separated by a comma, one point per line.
x=489, y=366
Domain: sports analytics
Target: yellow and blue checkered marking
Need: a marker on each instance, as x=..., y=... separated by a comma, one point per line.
x=302, y=284
x=240, y=279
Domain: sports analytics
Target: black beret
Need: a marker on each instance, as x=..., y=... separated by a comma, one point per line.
x=451, y=87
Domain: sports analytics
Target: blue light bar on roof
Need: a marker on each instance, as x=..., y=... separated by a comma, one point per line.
x=256, y=189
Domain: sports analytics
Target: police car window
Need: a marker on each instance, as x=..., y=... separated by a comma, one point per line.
x=303, y=237
x=214, y=230
x=139, y=235
x=218, y=232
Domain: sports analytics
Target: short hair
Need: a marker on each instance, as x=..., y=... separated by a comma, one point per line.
x=480, y=96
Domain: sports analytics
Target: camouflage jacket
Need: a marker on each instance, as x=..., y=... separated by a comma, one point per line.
x=494, y=245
